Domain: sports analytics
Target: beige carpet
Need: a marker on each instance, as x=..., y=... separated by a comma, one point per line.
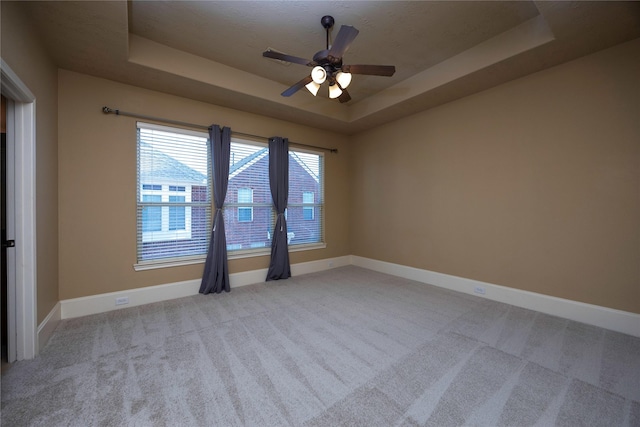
x=345, y=347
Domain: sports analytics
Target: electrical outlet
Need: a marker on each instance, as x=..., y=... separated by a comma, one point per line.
x=479, y=290
x=122, y=300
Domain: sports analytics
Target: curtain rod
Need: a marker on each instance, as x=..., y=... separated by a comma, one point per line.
x=117, y=112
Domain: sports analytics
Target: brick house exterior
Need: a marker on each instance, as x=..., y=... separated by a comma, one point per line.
x=246, y=227
x=252, y=173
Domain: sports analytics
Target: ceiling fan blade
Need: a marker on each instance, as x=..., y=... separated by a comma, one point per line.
x=344, y=96
x=296, y=87
x=345, y=37
x=372, y=70
x=287, y=58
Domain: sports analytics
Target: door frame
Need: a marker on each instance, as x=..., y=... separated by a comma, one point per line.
x=21, y=133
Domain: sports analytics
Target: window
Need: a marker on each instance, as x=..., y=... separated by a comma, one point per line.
x=151, y=215
x=249, y=215
x=304, y=218
x=174, y=203
x=308, y=211
x=245, y=196
x=247, y=209
x=177, y=213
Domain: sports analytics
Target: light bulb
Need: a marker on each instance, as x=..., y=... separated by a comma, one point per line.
x=318, y=74
x=334, y=91
x=343, y=79
x=313, y=88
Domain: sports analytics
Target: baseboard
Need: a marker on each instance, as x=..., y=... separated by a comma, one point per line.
x=615, y=320
x=320, y=265
x=48, y=325
x=101, y=303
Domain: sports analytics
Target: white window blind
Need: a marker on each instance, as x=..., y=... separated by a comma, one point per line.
x=174, y=194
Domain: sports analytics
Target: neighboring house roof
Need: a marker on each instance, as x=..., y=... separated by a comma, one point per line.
x=254, y=158
x=304, y=166
x=155, y=165
x=247, y=162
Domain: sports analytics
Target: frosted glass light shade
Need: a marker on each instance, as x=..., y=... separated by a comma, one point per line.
x=343, y=79
x=313, y=88
x=334, y=91
x=318, y=74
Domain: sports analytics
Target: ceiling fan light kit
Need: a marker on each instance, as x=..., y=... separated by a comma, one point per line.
x=313, y=87
x=327, y=65
x=318, y=74
x=343, y=79
x=334, y=91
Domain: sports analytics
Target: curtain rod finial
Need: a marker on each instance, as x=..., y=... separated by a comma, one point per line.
x=108, y=110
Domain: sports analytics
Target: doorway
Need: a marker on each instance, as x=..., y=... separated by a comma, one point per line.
x=22, y=337
x=3, y=222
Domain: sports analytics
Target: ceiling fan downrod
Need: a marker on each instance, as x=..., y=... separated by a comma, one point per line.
x=327, y=22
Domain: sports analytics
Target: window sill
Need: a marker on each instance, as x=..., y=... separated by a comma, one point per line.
x=267, y=250
x=152, y=265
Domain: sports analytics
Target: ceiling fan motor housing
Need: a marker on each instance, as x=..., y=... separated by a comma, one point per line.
x=327, y=21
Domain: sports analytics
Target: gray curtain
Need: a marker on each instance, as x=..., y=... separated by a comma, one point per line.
x=279, y=268
x=216, y=269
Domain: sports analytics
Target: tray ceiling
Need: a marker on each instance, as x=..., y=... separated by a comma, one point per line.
x=212, y=51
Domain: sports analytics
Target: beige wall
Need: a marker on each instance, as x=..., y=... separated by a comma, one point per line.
x=22, y=51
x=97, y=183
x=534, y=184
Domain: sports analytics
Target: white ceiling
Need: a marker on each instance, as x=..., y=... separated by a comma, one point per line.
x=212, y=51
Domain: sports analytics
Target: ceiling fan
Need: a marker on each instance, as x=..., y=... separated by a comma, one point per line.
x=327, y=65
